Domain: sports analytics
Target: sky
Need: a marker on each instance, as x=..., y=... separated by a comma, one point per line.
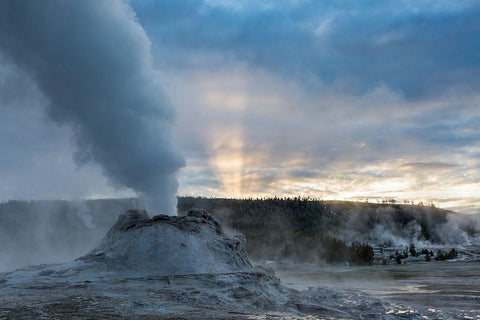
x=347, y=100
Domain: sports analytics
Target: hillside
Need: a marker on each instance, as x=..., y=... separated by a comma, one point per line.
x=310, y=229
x=33, y=232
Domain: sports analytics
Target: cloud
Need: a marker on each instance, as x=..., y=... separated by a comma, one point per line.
x=323, y=144
x=427, y=166
x=340, y=100
x=415, y=48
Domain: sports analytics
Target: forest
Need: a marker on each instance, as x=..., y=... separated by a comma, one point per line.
x=331, y=231
x=277, y=228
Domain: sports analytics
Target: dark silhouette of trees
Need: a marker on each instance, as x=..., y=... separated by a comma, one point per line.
x=452, y=254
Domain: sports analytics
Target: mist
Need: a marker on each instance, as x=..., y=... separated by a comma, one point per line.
x=397, y=225
x=35, y=232
x=310, y=230
x=91, y=60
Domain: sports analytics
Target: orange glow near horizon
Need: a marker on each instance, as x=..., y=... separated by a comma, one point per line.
x=229, y=164
x=257, y=145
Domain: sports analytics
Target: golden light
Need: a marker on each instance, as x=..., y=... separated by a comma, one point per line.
x=227, y=161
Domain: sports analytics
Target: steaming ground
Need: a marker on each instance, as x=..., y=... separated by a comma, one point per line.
x=174, y=267
x=437, y=290
x=36, y=232
x=126, y=283
x=181, y=267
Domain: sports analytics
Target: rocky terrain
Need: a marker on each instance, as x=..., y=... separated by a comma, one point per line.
x=173, y=267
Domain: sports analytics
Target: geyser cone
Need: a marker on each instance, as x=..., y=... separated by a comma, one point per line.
x=168, y=245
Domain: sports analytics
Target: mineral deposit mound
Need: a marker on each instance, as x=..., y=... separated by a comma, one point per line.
x=170, y=245
x=169, y=267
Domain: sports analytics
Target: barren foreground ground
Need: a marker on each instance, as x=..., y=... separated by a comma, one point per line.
x=172, y=267
x=188, y=268
x=55, y=291
x=437, y=290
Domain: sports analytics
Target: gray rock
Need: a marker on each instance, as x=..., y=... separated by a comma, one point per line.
x=168, y=245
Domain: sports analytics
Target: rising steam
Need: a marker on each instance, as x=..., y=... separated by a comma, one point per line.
x=92, y=61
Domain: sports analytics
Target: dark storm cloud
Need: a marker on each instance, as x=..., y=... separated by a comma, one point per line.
x=414, y=47
x=91, y=61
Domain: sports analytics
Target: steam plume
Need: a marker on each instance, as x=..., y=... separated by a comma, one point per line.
x=92, y=61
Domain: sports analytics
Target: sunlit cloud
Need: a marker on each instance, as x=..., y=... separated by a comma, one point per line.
x=332, y=147
x=227, y=160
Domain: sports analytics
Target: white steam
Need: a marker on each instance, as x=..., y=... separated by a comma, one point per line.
x=91, y=59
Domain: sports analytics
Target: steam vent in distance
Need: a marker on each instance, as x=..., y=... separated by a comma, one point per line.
x=182, y=267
